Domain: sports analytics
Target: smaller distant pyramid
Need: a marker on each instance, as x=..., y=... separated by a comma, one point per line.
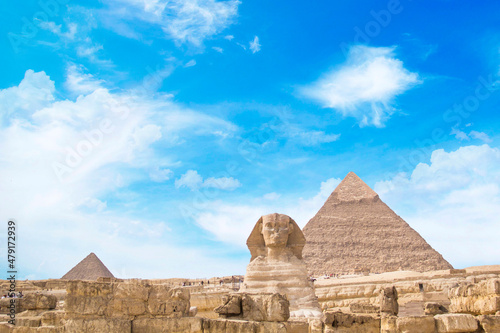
x=90, y=268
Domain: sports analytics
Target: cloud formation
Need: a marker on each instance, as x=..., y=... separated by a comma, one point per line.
x=255, y=45
x=454, y=202
x=192, y=180
x=365, y=86
x=63, y=160
x=186, y=21
x=232, y=222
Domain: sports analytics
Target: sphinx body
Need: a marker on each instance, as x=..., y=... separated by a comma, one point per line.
x=276, y=266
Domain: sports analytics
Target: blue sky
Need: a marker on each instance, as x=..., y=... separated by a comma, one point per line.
x=156, y=133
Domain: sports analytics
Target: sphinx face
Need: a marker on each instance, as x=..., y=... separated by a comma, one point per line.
x=275, y=230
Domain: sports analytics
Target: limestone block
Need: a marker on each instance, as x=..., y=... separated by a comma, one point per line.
x=316, y=326
x=388, y=300
x=476, y=298
x=167, y=325
x=388, y=324
x=363, y=308
x=239, y=326
x=28, y=321
x=433, y=309
x=38, y=302
x=265, y=307
x=129, y=299
x=52, y=318
x=168, y=302
x=89, y=289
x=339, y=322
x=490, y=324
x=98, y=325
x=193, y=311
x=214, y=325
x=231, y=306
x=456, y=323
x=6, y=328
x=7, y=303
x=297, y=327
x=87, y=305
x=91, y=298
x=416, y=325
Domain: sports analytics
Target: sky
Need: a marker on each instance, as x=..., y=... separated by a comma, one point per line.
x=155, y=133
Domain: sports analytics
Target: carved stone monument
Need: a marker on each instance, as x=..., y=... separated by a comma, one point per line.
x=277, y=266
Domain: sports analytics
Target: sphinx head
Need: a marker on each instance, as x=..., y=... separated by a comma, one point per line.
x=275, y=229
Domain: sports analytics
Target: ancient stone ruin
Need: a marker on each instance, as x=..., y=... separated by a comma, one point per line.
x=355, y=232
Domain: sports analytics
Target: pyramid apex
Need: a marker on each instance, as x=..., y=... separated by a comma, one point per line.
x=352, y=188
x=90, y=268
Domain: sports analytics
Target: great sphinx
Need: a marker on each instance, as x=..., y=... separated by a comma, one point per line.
x=276, y=265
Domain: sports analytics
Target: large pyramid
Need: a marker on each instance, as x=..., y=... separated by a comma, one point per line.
x=89, y=268
x=355, y=231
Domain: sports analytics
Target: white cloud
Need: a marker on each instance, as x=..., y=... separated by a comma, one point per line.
x=35, y=91
x=190, y=63
x=217, y=49
x=144, y=136
x=75, y=34
x=459, y=135
x=254, y=45
x=365, y=87
x=78, y=82
x=61, y=159
x=454, y=202
x=229, y=37
x=232, y=223
x=480, y=136
x=222, y=183
x=159, y=175
x=186, y=21
x=311, y=138
x=192, y=180
x=271, y=196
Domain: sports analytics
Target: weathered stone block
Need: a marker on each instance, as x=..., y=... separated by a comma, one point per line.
x=416, y=325
x=297, y=327
x=38, y=302
x=231, y=306
x=481, y=298
x=363, y=308
x=91, y=298
x=52, y=318
x=167, y=325
x=265, y=307
x=388, y=301
x=127, y=307
x=168, y=302
x=28, y=321
x=433, y=309
x=131, y=291
x=345, y=322
x=490, y=324
x=255, y=307
x=98, y=325
x=388, y=324
x=456, y=323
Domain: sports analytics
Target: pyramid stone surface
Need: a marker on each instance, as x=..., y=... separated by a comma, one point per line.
x=355, y=231
x=89, y=268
